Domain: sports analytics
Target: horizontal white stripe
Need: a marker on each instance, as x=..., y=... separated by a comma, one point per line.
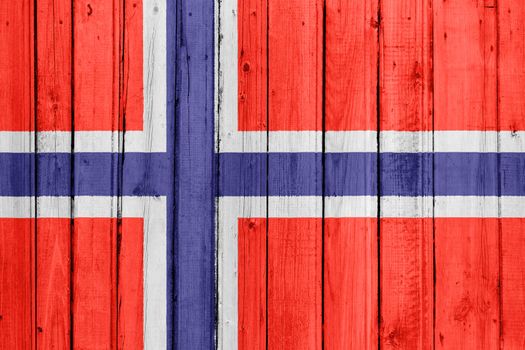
x=366, y=141
x=84, y=206
x=391, y=206
x=280, y=141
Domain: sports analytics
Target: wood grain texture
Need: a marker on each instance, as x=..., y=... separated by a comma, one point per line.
x=17, y=278
x=466, y=251
x=252, y=64
x=52, y=283
x=130, y=280
x=94, y=284
x=511, y=116
x=54, y=110
x=294, y=283
x=252, y=284
x=350, y=246
x=350, y=283
x=97, y=57
x=406, y=246
x=295, y=64
x=351, y=65
x=16, y=65
x=17, y=236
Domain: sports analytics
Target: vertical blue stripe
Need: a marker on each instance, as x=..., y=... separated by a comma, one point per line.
x=194, y=194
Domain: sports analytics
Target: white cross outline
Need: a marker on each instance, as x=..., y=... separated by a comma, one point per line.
x=153, y=211
x=152, y=138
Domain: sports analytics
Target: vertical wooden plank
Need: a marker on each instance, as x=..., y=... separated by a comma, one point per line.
x=252, y=64
x=194, y=110
x=350, y=283
x=350, y=247
x=53, y=118
x=17, y=240
x=252, y=284
x=511, y=117
x=97, y=55
x=16, y=277
x=351, y=65
x=16, y=67
x=97, y=93
x=94, y=284
x=467, y=250
x=241, y=97
x=295, y=98
x=52, y=282
x=512, y=280
x=294, y=283
x=406, y=247
x=131, y=284
x=295, y=63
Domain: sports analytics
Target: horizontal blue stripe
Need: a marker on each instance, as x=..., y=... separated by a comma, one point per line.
x=350, y=174
x=96, y=174
x=289, y=174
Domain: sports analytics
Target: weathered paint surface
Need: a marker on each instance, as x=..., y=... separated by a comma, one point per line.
x=254, y=174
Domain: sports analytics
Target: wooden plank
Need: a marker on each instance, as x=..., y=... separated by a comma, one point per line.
x=16, y=67
x=53, y=282
x=350, y=247
x=252, y=64
x=16, y=277
x=350, y=283
x=97, y=33
x=241, y=99
x=511, y=117
x=252, y=284
x=295, y=64
x=512, y=277
x=53, y=117
x=130, y=316
x=351, y=65
x=97, y=85
x=94, y=283
x=406, y=246
x=466, y=251
x=17, y=232
x=193, y=49
x=294, y=283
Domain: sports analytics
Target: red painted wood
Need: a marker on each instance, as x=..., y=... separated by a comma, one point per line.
x=54, y=65
x=350, y=283
x=406, y=247
x=295, y=64
x=52, y=283
x=351, y=65
x=467, y=250
x=94, y=308
x=132, y=67
x=406, y=284
x=131, y=285
x=16, y=279
x=108, y=65
x=512, y=283
x=96, y=66
x=465, y=65
x=294, y=283
x=252, y=69
x=252, y=284
x=511, y=68
x=16, y=65
x=467, y=268
x=511, y=116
